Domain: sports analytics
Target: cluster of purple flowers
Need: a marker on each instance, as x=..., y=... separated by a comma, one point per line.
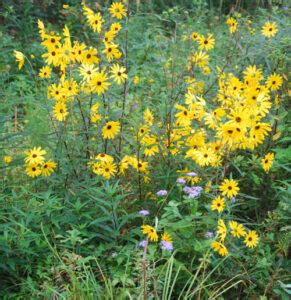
x=209, y=234
x=165, y=245
x=181, y=180
x=162, y=193
x=191, y=174
x=192, y=191
x=144, y=212
x=143, y=244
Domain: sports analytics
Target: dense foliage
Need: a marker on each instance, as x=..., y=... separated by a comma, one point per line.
x=144, y=151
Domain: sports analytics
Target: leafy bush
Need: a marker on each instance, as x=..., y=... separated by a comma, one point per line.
x=145, y=155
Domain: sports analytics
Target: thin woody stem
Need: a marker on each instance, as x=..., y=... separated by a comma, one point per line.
x=125, y=84
x=144, y=265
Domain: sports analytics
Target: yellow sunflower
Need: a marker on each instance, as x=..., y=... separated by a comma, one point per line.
x=107, y=169
x=7, y=159
x=237, y=230
x=110, y=130
x=229, y=188
x=267, y=161
x=269, y=29
x=220, y=248
x=251, y=239
x=150, y=232
x=117, y=10
x=221, y=230
x=20, y=58
x=274, y=81
x=118, y=73
x=218, y=204
x=99, y=83
x=45, y=72
x=35, y=156
x=47, y=168
x=206, y=43
x=33, y=170
x=194, y=36
x=60, y=111
x=166, y=237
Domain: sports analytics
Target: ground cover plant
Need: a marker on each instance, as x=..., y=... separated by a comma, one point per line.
x=144, y=151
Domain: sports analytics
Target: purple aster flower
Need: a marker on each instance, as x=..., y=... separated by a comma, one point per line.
x=233, y=199
x=285, y=7
x=181, y=180
x=209, y=234
x=193, y=191
x=142, y=244
x=162, y=193
x=166, y=245
x=144, y=212
x=191, y=174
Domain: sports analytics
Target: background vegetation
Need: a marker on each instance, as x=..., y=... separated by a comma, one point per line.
x=76, y=236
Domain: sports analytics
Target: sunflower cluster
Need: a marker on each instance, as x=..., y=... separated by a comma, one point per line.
x=36, y=165
x=200, y=131
x=200, y=58
x=79, y=65
x=152, y=235
x=236, y=122
x=103, y=165
x=236, y=230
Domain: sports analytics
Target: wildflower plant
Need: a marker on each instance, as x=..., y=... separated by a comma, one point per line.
x=202, y=132
x=156, y=159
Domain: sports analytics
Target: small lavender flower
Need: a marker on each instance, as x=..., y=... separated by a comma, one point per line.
x=285, y=7
x=144, y=212
x=181, y=180
x=209, y=234
x=142, y=244
x=162, y=193
x=193, y=191
x=191, y=174
x=166, y=245
x=233, y=199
